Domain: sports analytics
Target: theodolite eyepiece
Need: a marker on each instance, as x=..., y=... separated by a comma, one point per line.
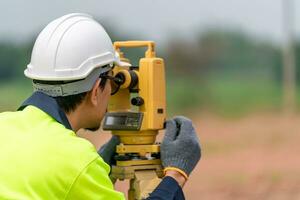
x=127, y=79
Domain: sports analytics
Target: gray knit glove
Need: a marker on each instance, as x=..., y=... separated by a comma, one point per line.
x=107, y=151
x=180, y=147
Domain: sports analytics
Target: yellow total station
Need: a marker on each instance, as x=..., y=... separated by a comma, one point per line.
x=137, y=110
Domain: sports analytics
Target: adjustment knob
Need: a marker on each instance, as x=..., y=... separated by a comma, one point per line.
x=137, y=101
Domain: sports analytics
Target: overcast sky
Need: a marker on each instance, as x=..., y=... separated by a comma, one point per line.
x=155, y=19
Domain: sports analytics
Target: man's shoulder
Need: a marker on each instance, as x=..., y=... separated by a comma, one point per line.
x=46, y=138
x=12, y=120
x=8, y=114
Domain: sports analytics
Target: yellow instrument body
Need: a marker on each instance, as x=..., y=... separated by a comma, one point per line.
x=148, y=94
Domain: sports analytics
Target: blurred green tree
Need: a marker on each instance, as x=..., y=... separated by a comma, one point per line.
x=13, y=59
x=297, y=52
x=224, y=52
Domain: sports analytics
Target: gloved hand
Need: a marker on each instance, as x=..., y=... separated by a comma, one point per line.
x=180, y=147
x=107, y=151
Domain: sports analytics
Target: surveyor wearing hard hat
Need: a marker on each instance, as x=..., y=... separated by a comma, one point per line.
x=41, y=157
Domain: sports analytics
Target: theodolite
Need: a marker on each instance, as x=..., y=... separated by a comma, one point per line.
x=136, y=113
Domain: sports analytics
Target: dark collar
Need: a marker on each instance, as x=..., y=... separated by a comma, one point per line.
x=48, y=105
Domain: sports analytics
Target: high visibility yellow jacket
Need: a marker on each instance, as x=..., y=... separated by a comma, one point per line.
x=42, y=159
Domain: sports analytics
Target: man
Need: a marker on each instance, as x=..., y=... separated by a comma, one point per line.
x=40, y=155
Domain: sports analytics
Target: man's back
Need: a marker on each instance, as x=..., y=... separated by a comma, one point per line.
x=41, y=159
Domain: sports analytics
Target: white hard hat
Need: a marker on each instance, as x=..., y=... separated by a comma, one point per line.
x=71, y=48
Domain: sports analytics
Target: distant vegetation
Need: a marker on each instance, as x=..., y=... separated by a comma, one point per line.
x=227, y=72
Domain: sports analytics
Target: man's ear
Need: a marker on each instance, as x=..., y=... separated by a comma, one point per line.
x=93, y=94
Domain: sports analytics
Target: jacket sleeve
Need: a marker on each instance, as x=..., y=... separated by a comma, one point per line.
x=94, y=183
x=168, y=189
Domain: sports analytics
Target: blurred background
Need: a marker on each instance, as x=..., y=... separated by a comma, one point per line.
x=232, y=66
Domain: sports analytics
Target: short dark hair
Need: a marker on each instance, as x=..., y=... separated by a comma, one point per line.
x=70, y=103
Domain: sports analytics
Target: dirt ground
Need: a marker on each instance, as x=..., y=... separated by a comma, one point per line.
x=254, y=157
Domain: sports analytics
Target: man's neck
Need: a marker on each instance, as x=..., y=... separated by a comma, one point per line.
x=73, y=120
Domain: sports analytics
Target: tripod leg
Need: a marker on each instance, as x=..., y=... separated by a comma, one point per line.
x=131, y=190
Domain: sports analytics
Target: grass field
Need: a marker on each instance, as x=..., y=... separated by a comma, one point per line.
x=228, y=97
x=13, y=94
